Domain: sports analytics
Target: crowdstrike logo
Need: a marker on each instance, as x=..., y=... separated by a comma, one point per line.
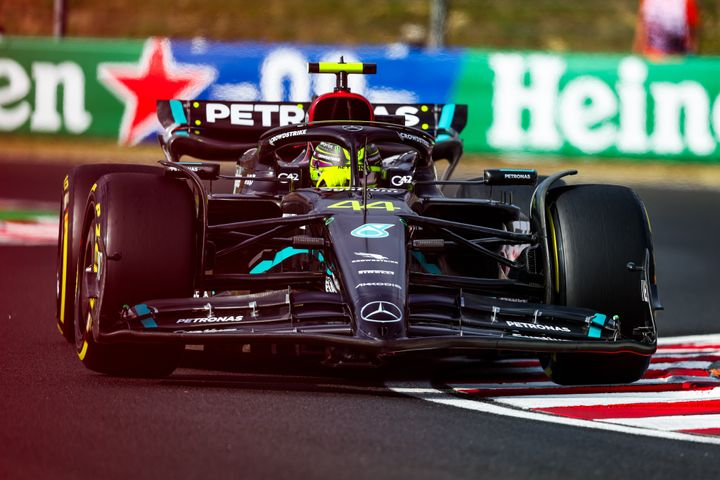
x=381, y=312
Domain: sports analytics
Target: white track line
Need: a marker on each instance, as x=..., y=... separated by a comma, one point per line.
x=595, y=399
x=425, y=391
x=670, y=422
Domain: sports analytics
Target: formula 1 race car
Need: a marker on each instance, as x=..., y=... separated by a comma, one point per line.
x=335, y=239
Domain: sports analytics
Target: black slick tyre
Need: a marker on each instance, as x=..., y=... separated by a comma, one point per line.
x=595, y=232
x=76, y=187
x=138, y=244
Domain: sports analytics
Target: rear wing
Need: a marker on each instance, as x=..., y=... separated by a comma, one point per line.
x=215, y=130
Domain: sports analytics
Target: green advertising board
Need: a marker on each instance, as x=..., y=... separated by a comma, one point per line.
x=51, y=87
x=527, y=102
x=579, y=105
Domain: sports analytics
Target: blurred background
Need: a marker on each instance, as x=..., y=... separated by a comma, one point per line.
x=441, y=51
x=582, y=25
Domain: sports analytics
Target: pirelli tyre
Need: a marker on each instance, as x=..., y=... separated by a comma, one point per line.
x=138, y=244
x=595, y=232
x=75, y=190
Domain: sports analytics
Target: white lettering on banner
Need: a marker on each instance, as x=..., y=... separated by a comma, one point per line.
x=670, y=100
x=716, y=117
x=585, y=103
x=511, y=97
x=589, y=115
x=215, y=111
x=632, y=134
x=241, y=114
x=267, y=111
x=280, y=66
x=48, y=78
x=16, y=88
x=411, y=119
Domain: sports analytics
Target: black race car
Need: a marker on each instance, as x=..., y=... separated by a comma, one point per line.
x=387, y=264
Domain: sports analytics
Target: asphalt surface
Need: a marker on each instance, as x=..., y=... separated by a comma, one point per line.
x=59, y=420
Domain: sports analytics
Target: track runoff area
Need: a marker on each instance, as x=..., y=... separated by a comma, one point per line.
x=678, y=398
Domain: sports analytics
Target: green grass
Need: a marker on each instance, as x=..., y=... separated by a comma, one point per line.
x=581, y=25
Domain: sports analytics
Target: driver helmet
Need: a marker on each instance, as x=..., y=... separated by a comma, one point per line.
x=330, y=165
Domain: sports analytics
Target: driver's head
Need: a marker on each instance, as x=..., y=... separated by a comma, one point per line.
x=330, y=165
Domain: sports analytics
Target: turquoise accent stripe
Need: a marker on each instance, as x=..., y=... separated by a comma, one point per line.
x=280, y=257
x=181, y=134
x=141, y=310
x=446, y=118
x=178, y=112
x=149, y=323
x=598, y=319
x=594, y=332
x=428, y=267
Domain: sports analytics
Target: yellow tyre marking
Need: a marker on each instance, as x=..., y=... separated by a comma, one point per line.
x=92, y=189
x=95, y=257
x=83, y=351
x=63, y=281
x=97, y=210
x=555, y=253
x=66, y=182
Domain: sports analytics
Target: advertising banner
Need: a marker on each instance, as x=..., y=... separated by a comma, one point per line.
x=529, y=102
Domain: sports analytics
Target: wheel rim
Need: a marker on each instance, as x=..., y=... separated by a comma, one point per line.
x=88, y=279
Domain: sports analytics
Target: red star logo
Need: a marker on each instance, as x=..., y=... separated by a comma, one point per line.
x=155, y=77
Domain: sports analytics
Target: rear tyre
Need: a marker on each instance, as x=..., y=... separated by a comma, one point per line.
x=76, y=187
x=139, y=244
x=595, y=230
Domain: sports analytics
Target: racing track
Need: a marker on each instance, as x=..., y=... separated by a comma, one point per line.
x=58, y=420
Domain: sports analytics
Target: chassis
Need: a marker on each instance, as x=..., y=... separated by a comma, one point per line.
x=153, y=258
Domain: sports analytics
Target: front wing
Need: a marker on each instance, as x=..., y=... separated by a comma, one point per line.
x=435, y=322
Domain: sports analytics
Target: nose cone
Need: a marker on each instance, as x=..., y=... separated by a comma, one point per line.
x=372, y=263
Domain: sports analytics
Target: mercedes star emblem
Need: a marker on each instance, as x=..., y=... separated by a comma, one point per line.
x=381, y=312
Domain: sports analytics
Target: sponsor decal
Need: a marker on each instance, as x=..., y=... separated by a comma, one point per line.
x=360, y=189
x=519, y=335
x=352, y=128
x=378, y=284
x=537, y=326
x=414, y=138
x=281, y=136
x=140, y=85
x=357, y=206
x=400, y=180
x=376, y=272
x=518, y=176
x=226, y=319
x=381, y=312
x=291, y=177
x=372, y=230
x=246, y=114
x=372, y=257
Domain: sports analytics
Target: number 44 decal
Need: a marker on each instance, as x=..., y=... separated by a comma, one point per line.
x=357, y=206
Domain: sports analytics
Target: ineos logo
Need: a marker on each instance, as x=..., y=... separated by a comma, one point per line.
x=400, y=180
x=352, y=128
x=292, y=177
x=380, y=312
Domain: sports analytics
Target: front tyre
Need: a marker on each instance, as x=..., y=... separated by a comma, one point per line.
x=76, y=187
x=595, y=232
x=139, y=242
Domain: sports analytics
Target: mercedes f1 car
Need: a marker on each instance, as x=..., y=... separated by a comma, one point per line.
x=381, y=262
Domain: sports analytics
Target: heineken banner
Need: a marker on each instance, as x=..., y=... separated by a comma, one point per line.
x=530, y=102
